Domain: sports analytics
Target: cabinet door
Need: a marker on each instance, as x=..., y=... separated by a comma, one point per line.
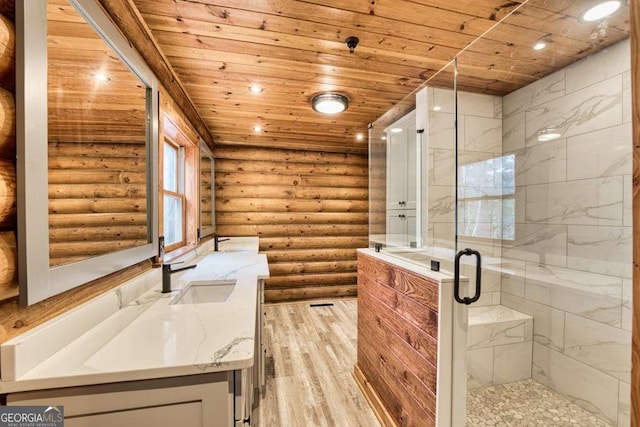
x=184, y=414
x=396, y=170
x=204, y=400
x=411, y=228
x=396, y=227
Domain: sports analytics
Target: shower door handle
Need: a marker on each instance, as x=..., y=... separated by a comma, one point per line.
x=456, y=277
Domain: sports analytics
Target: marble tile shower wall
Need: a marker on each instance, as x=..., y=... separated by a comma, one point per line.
x=569, y=265
x=480, y=139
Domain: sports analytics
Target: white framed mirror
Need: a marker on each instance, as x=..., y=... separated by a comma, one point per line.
x=87, y=131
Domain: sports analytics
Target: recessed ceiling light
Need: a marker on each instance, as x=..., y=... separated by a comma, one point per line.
x=539, y=45
x=257, y=129
x=330, y=103
x=101, y=77
x=437, y=108
x=383, y=137
x=255, y=89
x=548, y=134
x=396, y=130
x=601, y=10
x=359, y=137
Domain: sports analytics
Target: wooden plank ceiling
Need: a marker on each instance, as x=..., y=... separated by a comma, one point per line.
x=295, y=49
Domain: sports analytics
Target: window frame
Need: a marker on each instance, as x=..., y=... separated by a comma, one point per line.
x=187, y=169
x=179, y=193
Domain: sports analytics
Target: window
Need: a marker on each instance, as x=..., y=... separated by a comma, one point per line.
x=173, y=195
x=179, y=206
x=487, y=198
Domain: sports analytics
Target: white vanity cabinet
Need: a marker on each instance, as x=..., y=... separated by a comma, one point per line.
x=180, y=363
x=204, y=400
x=402, y=152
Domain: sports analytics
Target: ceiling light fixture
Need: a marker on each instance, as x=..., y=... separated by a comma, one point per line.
x=257, y=129
x=437, y=108
x=548, y=134
x=330, y=103
x=359, y=136
x=600, y=10
x=101, y=77
x=383, y=137
x=396, y=130
x=255, y=89
x=539, y=45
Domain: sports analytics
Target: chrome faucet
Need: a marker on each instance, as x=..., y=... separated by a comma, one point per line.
x=217, y=240
x=167, y=272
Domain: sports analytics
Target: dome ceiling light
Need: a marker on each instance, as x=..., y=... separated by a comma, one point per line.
x=330, y=103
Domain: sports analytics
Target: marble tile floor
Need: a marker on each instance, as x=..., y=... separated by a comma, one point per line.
x=522, y=404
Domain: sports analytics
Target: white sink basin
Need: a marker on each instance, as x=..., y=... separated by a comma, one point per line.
x=205, y=291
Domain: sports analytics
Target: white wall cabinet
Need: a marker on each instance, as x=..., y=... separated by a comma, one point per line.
x=402, y=153
x=401, y=163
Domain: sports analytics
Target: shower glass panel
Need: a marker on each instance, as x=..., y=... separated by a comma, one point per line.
x=523, y=160
x=544, y=194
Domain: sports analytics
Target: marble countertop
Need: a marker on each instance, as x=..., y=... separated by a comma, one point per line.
x=440, y=276
x=147, y=336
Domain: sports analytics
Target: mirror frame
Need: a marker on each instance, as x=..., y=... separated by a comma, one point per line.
x=207, y=230
x=37, y=279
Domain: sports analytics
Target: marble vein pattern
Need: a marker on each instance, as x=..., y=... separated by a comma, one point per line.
x=592, y=108
x=594, y=296
x=605, y=152
x=513, y=132
x=482, y=134
x=149, y=337
x=512, y=362
x=624, y=404
x=603, y=347
x=627, y=109
x=627, y=304
x=542, y=163
x=600, y=66
x=627, y=205
x=476, y=104
x=548, y=322
x=584, y=202
x=573, y=228
x=537, y=93
x=479, y=367
x=238, y=346
x=585, y=386
x=544, y=244
x=441, y=130
x=604, y=250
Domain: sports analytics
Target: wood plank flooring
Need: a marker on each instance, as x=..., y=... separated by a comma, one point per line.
x=311, y=352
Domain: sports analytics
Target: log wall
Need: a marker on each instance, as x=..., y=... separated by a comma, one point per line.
x=8, y=250
x=397, y=343
x=97, y=198
x=310, y=210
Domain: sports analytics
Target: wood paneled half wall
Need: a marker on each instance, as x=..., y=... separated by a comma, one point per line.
x=397, y=343
x=308, y=208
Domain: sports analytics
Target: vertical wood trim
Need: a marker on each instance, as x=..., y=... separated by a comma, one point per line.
x=634, y=12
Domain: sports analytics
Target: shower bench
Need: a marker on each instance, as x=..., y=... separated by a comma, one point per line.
x=499, y=343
